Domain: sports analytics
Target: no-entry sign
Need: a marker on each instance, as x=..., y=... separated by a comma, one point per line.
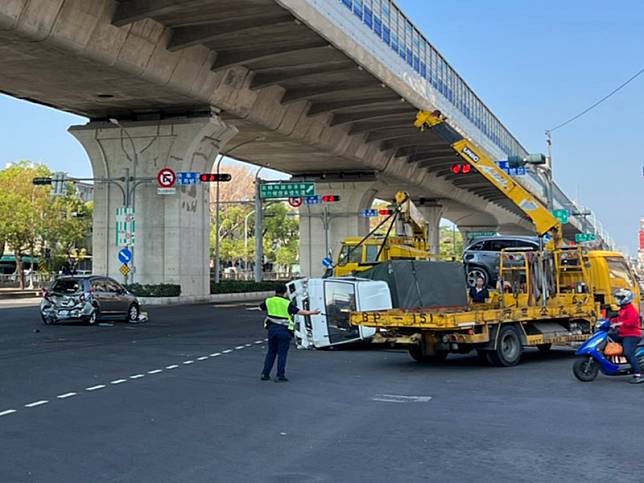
x=295, y=201
x=166, y=178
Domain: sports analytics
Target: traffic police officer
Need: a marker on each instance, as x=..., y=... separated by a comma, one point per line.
x=280, y=324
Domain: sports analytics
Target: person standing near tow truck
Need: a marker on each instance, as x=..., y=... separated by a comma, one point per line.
x=280, y=324
x=630, y=334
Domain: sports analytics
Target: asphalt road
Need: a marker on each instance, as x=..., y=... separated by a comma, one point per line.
x=178, y=399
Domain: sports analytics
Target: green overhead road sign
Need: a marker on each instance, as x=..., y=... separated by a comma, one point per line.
x=585, y=237
x=286, y=190
x=481, y=234
x=561, y=215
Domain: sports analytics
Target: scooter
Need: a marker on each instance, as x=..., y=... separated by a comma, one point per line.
x=591, y=358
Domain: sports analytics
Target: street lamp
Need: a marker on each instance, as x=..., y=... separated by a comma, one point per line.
x=259, y=222
x=218, y=209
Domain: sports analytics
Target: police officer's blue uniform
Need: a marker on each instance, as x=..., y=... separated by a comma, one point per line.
x=280, y=324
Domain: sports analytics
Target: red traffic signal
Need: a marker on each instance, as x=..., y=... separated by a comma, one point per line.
x=462, y=168
x=214, y=177
x=385, y=212
x=330, y=198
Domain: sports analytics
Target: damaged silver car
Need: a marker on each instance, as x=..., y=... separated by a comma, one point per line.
x=88, y=298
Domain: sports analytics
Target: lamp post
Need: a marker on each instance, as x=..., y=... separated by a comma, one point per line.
x=246, y=240
x=218, y=209
x=259, y=228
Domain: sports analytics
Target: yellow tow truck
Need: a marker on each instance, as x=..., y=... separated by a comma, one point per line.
x=359, y=254
x=550, y=296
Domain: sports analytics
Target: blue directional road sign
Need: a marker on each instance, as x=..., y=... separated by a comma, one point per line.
x=327, y=262
x=370, y=213
x=125, y=256
x=312, y=200
x=187, y=177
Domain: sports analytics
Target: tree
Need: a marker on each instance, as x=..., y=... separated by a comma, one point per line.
x=451, y=243
x=30, y=220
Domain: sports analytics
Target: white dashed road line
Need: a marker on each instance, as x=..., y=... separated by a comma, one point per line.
x=67, y=395
x=94, y=388
x=36, y=403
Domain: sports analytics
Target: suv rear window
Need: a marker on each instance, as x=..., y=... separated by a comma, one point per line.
x=67, y=286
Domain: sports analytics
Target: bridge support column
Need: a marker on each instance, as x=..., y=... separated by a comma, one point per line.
x=433, y=214
x=324, y=226
x=172, y=231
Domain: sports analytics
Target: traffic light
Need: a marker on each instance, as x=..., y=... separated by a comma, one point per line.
x=214, y=177
x=41, y=181
x=330, y=198
x=462, y=168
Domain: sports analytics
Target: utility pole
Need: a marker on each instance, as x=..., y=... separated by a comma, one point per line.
x=259, y=230
x=548, y=172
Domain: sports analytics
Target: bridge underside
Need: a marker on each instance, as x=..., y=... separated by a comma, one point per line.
x=304, y=106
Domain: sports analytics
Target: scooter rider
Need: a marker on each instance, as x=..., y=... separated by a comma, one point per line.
x=629, y=335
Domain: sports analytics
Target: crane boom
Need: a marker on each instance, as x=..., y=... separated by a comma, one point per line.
x=543, y=220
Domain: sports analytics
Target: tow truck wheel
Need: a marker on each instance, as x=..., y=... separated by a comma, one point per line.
x=416, y=352
x=508, y=351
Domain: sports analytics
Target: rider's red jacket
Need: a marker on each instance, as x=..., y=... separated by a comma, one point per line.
x=630, y=319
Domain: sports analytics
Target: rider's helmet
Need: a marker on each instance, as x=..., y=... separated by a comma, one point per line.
x=624, y=297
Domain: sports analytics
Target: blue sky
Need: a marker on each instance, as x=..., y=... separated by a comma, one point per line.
x=535, y=64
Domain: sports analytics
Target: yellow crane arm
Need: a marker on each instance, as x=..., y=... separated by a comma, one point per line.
x=482, y=162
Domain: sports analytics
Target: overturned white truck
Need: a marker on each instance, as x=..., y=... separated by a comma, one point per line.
x=395, y=284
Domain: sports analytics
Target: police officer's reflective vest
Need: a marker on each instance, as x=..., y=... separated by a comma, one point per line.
x=277, y=310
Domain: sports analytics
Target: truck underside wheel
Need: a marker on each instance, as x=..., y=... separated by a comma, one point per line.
x=417, y=353
x=508, y=351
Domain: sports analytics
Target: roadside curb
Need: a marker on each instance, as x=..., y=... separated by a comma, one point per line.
x=214, y=298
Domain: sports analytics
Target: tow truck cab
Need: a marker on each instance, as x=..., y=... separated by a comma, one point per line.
x=336, y=299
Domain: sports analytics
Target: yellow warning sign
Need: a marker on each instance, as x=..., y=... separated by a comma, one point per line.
x=125, y=270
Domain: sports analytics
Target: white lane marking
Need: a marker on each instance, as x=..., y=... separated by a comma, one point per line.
x=396, y=398
x=36, y=403
x=266, y=340
x=239, y=347
x=137, y=376
x=118, y=381
x=94, y=388
x=155, y=371
x=227, y=351
x=7, y=412
x=202, y=358
x=259, y=342
x=66, y=395
x=173, y=366
x=249, y=345
x=215, y=354
x=188, y=362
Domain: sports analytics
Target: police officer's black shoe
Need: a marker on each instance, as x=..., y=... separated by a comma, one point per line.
x=281, y=379
x=264, y=377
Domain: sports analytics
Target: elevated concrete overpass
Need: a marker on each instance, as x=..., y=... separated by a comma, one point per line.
x=322, y=89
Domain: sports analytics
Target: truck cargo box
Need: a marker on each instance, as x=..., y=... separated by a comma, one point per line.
x=421, y=283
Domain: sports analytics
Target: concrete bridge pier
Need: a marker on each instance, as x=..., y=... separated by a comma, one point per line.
x=172, y=230
x=433, y=215
x=324, y=226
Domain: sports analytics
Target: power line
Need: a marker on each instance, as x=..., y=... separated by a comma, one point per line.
x=614, y=91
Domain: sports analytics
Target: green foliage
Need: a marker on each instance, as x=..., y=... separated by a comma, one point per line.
x=158, y=290
x=241, y=286
x=30, y=219
x=280, y=235
x=451, y=243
